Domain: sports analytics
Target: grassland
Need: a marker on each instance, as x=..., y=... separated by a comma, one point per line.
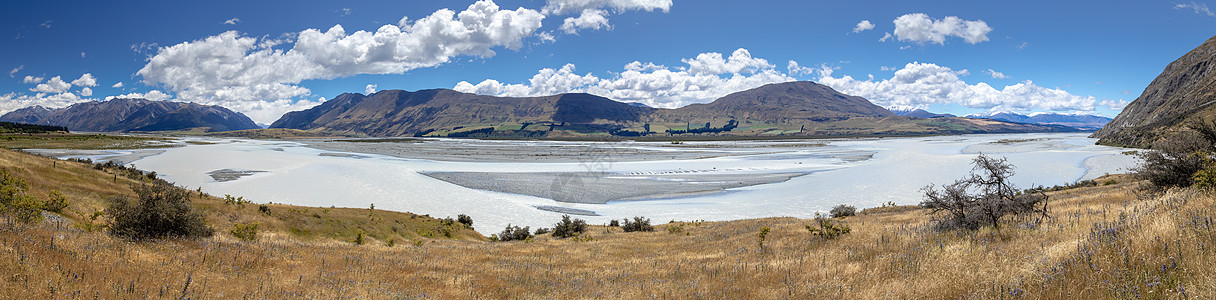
x=1106, y=241
x=78, y=141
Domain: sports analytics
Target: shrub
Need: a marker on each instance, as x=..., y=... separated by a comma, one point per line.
x=638, y=224
x=828, y=229
x=675, y=228
x=160, y=211
x=1205, y=179
x=245, y=231
x=994, y=199
x=760, y=236
x=542, y=230
x=614, y=223
x=514, y=233
x=465, y=219
x=359, y=238
x=264, y=209
x=55, y=202
x=568, y=228
x=14, y=201
x=1176, y=158
x=842, y=210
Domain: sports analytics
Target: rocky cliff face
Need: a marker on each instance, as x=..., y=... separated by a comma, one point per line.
x=121, y=115
x=1184, y=91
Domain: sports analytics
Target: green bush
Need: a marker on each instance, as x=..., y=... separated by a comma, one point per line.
x=828, y=228
x=55, y=202
x=465, y=219
x=514, y=233
x=160, y=211
x=638, y=224
x=264, y=209
x=568, y=228
x=245, y=231
x=842, y=210
x=14, y=201
x=542, y=230
x=614, y=223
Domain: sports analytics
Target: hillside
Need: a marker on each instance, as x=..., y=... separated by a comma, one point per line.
x=126, y=115
x=774, y=110
x=1183, y=92
x=1103, y=242
x=1079, y=121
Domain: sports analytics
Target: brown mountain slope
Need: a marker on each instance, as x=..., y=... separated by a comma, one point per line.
x=1184, y=91
x=120, y=115
x=788, y=102
x=396, y=112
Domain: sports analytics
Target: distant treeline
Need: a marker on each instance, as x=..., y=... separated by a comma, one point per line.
x=10, y=127
x=476, y=132
x=707, y=129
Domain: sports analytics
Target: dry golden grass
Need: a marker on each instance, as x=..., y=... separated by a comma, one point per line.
x=77, y=141
x=1103, y=242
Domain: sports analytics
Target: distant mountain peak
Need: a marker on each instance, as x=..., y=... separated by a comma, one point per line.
x=133, y=114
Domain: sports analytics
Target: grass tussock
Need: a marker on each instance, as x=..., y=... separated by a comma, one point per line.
x=1106, y=241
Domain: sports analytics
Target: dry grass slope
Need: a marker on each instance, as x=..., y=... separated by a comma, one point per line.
x=1103, y=242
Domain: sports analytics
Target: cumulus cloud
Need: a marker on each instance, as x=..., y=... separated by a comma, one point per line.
x=706, y=77
x=920, y=28
x=85, y=80
x=117, y=85
x=997, y=75
x=918, y=85
x=1115, y=105
x=32, y=79
x=863, y=26
x=153, y=95
x=12, y=101
x=593, y=14
x=55, y=85
x=232, y=21
x=233, y=67
x=1199, y=8
x=86, y=92
x=794, y=69
x=595, y=19
x=370, y=89
x=13, y=73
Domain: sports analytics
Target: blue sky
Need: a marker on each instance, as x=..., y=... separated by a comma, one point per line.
x=264, y=58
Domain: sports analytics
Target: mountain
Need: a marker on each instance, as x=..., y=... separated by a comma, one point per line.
x=397, y=112
x=919, y=113
x=1079, y=121
x=133, y=115
x=1183, y=92
x=782, y=103
x=781, y=109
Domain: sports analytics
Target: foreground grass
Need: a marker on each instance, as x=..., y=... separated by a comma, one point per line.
x=1103, y=242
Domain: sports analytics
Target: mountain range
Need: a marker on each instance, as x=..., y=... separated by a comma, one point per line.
x=1079, y=121
x=1183, y=92
x=920, y=113
x=124, y=115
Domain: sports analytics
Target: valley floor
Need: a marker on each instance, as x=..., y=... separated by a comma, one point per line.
x=1107, y=241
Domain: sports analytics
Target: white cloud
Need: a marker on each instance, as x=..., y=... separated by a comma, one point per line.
x=1199, y=8
x=595, y=19
x=794, y=69
x=237, y=68
x=86, y=92
x=85, y=80
x=1114, y=104
x=47, y=24
x=117, y=85
x=153, y=95
x=918, y=85
x=593, y=14
x=887, y=69
x=546, y=37
x=370, y=89
x=81, y=54
x=565, y=7
x=232, y=21
x=13, y=73
x=708, y=76
x=13, y=101
x=863, y=26
x=919, y=28
x=997, y=75
x=32, y=79
x=53, y=86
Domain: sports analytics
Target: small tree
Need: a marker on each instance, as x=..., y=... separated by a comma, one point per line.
x=568, y=228
x=638, y=224
x=994, y=198
x=1175, y=159
x=465, y=219
x=160, y=211
x=842, y=210
x=514, y=233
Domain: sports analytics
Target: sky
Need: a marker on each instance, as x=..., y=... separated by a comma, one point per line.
x=266, y=58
